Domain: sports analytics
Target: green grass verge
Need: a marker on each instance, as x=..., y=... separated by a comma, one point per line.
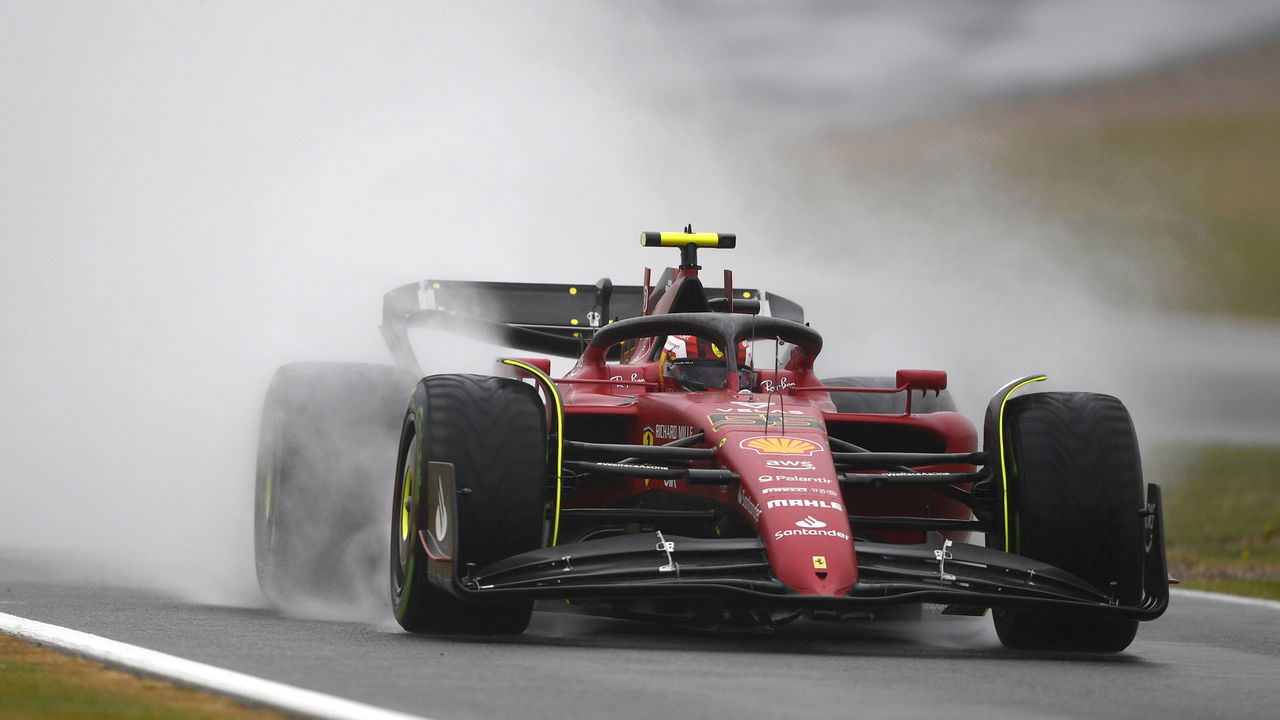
x=1266, y=589
x=1195, y=198
x=1223, y=521
x=37, y=683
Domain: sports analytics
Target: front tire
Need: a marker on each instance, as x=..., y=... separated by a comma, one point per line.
x=324, y=452
x=1075, y=502
x=493, y=433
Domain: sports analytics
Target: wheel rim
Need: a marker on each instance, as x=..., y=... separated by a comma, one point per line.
x=405, y=516
x=270, y=499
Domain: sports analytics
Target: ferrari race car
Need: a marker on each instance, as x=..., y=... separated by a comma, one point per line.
x=693, y=468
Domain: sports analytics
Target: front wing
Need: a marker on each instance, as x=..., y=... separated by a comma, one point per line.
x=737, y=572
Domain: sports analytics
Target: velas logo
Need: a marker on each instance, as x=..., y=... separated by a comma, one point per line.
x=774, y=445
x=789, y=465
x=810, y=522
x=796, y=502
x=758, y=408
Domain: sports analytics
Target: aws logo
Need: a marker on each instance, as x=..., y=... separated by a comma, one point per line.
x=789, y=464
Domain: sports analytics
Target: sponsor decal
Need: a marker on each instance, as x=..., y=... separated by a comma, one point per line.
x=633, y=467
x=652, y=433
x=789, y=464
x=775, y=445
x=768, y=385
x=817, y=491
x=745, y=419
x=635, y=377
x=672, y=432
x=752, y=509
x=810, y=522
x=793, y=478
x=810, y=532
x=442, y=517
x=747, y=407
x=797, y=502
x=819, y=562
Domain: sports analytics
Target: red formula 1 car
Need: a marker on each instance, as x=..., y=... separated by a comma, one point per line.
x=693, y=468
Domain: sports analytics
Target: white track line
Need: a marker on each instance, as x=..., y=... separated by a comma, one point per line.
x=242, y=687
x=1223, y=597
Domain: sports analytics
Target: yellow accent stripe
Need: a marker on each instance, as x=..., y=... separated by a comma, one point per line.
x=405, y=494
x=555, y=396
x=1004, y=475
x=681, y=239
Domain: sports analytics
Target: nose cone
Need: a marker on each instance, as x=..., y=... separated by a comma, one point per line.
x=809, y=546
x=788, y=487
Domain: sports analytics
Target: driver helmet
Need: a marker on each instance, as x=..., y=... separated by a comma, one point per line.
x=691, y=346
x=692, y=363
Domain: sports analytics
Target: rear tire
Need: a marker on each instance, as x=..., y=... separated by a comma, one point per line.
x=1076, y=487
x=885, y=403
x=324, y=452
x=493, y=431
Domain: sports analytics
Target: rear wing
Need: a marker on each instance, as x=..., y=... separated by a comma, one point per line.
x=545, y=318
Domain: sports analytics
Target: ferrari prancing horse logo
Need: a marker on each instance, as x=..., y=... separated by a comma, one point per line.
x=819, y=562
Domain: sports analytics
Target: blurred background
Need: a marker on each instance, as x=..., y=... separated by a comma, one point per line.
x=194, y=193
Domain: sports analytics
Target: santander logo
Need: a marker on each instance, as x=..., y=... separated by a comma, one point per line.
x=810, y=522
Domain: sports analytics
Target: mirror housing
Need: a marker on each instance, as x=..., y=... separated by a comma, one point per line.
x=922, y=380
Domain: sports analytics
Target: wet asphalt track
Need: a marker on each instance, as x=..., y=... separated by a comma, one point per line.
x=1203, y=659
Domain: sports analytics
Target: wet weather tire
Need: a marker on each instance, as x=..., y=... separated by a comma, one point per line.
x=885, y=403
x=1075, y=498
x=325, y=452
x=492, y=432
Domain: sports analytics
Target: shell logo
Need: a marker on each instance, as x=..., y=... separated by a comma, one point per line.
x=772, y=445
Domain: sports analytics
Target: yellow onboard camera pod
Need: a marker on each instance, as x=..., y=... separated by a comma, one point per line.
x=682, y=239
x=688, y=242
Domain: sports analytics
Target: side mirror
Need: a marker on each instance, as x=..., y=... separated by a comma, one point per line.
x=507, y=370
x=923, y=380
x=745, y=307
